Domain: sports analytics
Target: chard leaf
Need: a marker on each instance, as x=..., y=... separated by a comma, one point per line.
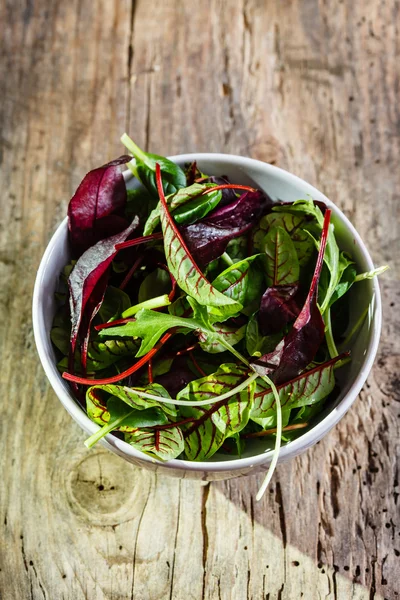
x=187, y=274
x=92, y=209
x=164, y=444
x=256, y=343
x=211, y=343
x=278, y=307
x=173, y=177
x=306, y=389
x=242, y=281
x=294, y=225
x=213, y=423
x=282, y=265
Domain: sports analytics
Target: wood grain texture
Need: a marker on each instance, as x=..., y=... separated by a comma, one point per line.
x=309, y=85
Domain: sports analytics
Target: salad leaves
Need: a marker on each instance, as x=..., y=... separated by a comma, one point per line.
x=198, y=314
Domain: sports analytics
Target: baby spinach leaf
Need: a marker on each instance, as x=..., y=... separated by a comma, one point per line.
x=243, y=282
x=186, y=272
x=180, y=200
x=114, y=303
x=293, y=224
x=282, y=265
x=157, y=282
x=173, y=177
x=306, y=389
x=199, y=207
x=140, y=203
x=164, y=444
x=213, y=423
x=256, y=343
x=95, y=210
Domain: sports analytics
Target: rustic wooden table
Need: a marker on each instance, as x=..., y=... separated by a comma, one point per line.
x=312, y=86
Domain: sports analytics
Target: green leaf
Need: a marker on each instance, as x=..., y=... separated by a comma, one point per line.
x=102, y=354
x=149, y=327
x=306, y=389
x=242, y=281
x=257, y=344
x=60, y=337
x=173, y=176
x=187, y=274
x=197, y=209
x=97, y=400
x=187, y=205
x=238, y=248
x=347, y=279
x=271, y=421
x=213, y=423
x=293, y=224
x=114, y=303
x=211, y=343
x=158, y=282
x=164, y=444
x=140, y=203
x=282, y=265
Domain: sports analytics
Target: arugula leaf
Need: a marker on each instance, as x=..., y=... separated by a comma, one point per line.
x=306, y=389
x=293, y=224
x=149, y=326
x=173, y=176
x=182, y=266
x=213, y=423
x=282, y=265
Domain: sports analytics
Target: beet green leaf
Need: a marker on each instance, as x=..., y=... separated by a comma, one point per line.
x=293, y=224
x=164, y=444
x=282, y=265
x=242, y=281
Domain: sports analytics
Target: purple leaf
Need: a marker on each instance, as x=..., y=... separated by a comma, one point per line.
x=177, y=378
x=208, y=238
x=299, y=346
x=87, y=284
x=278, y=307
x=102, y=193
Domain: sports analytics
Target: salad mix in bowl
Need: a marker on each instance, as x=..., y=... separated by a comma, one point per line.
x=198, y=314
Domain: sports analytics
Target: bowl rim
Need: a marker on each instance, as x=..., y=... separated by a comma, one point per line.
x=307, y=439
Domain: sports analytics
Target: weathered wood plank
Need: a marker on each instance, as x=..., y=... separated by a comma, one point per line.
x=308, y=85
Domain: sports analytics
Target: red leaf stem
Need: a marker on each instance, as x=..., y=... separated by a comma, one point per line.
x=139, y=240
x=131, y=271
x=228, y=186
x=194, y=361
x=116, y=378
x=150, y=371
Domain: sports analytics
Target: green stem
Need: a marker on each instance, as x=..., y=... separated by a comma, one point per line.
x=227, y=259
x=333, y=353
x=93, y=439
x=277, y=447
x=132, y=167
x=355, y=328
x=158, y=302
x=371, y=274
x=131, y=146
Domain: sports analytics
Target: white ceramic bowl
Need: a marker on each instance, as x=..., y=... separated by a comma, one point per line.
x=278, y=184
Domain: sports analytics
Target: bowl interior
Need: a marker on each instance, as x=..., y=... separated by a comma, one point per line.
x=279, y=185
